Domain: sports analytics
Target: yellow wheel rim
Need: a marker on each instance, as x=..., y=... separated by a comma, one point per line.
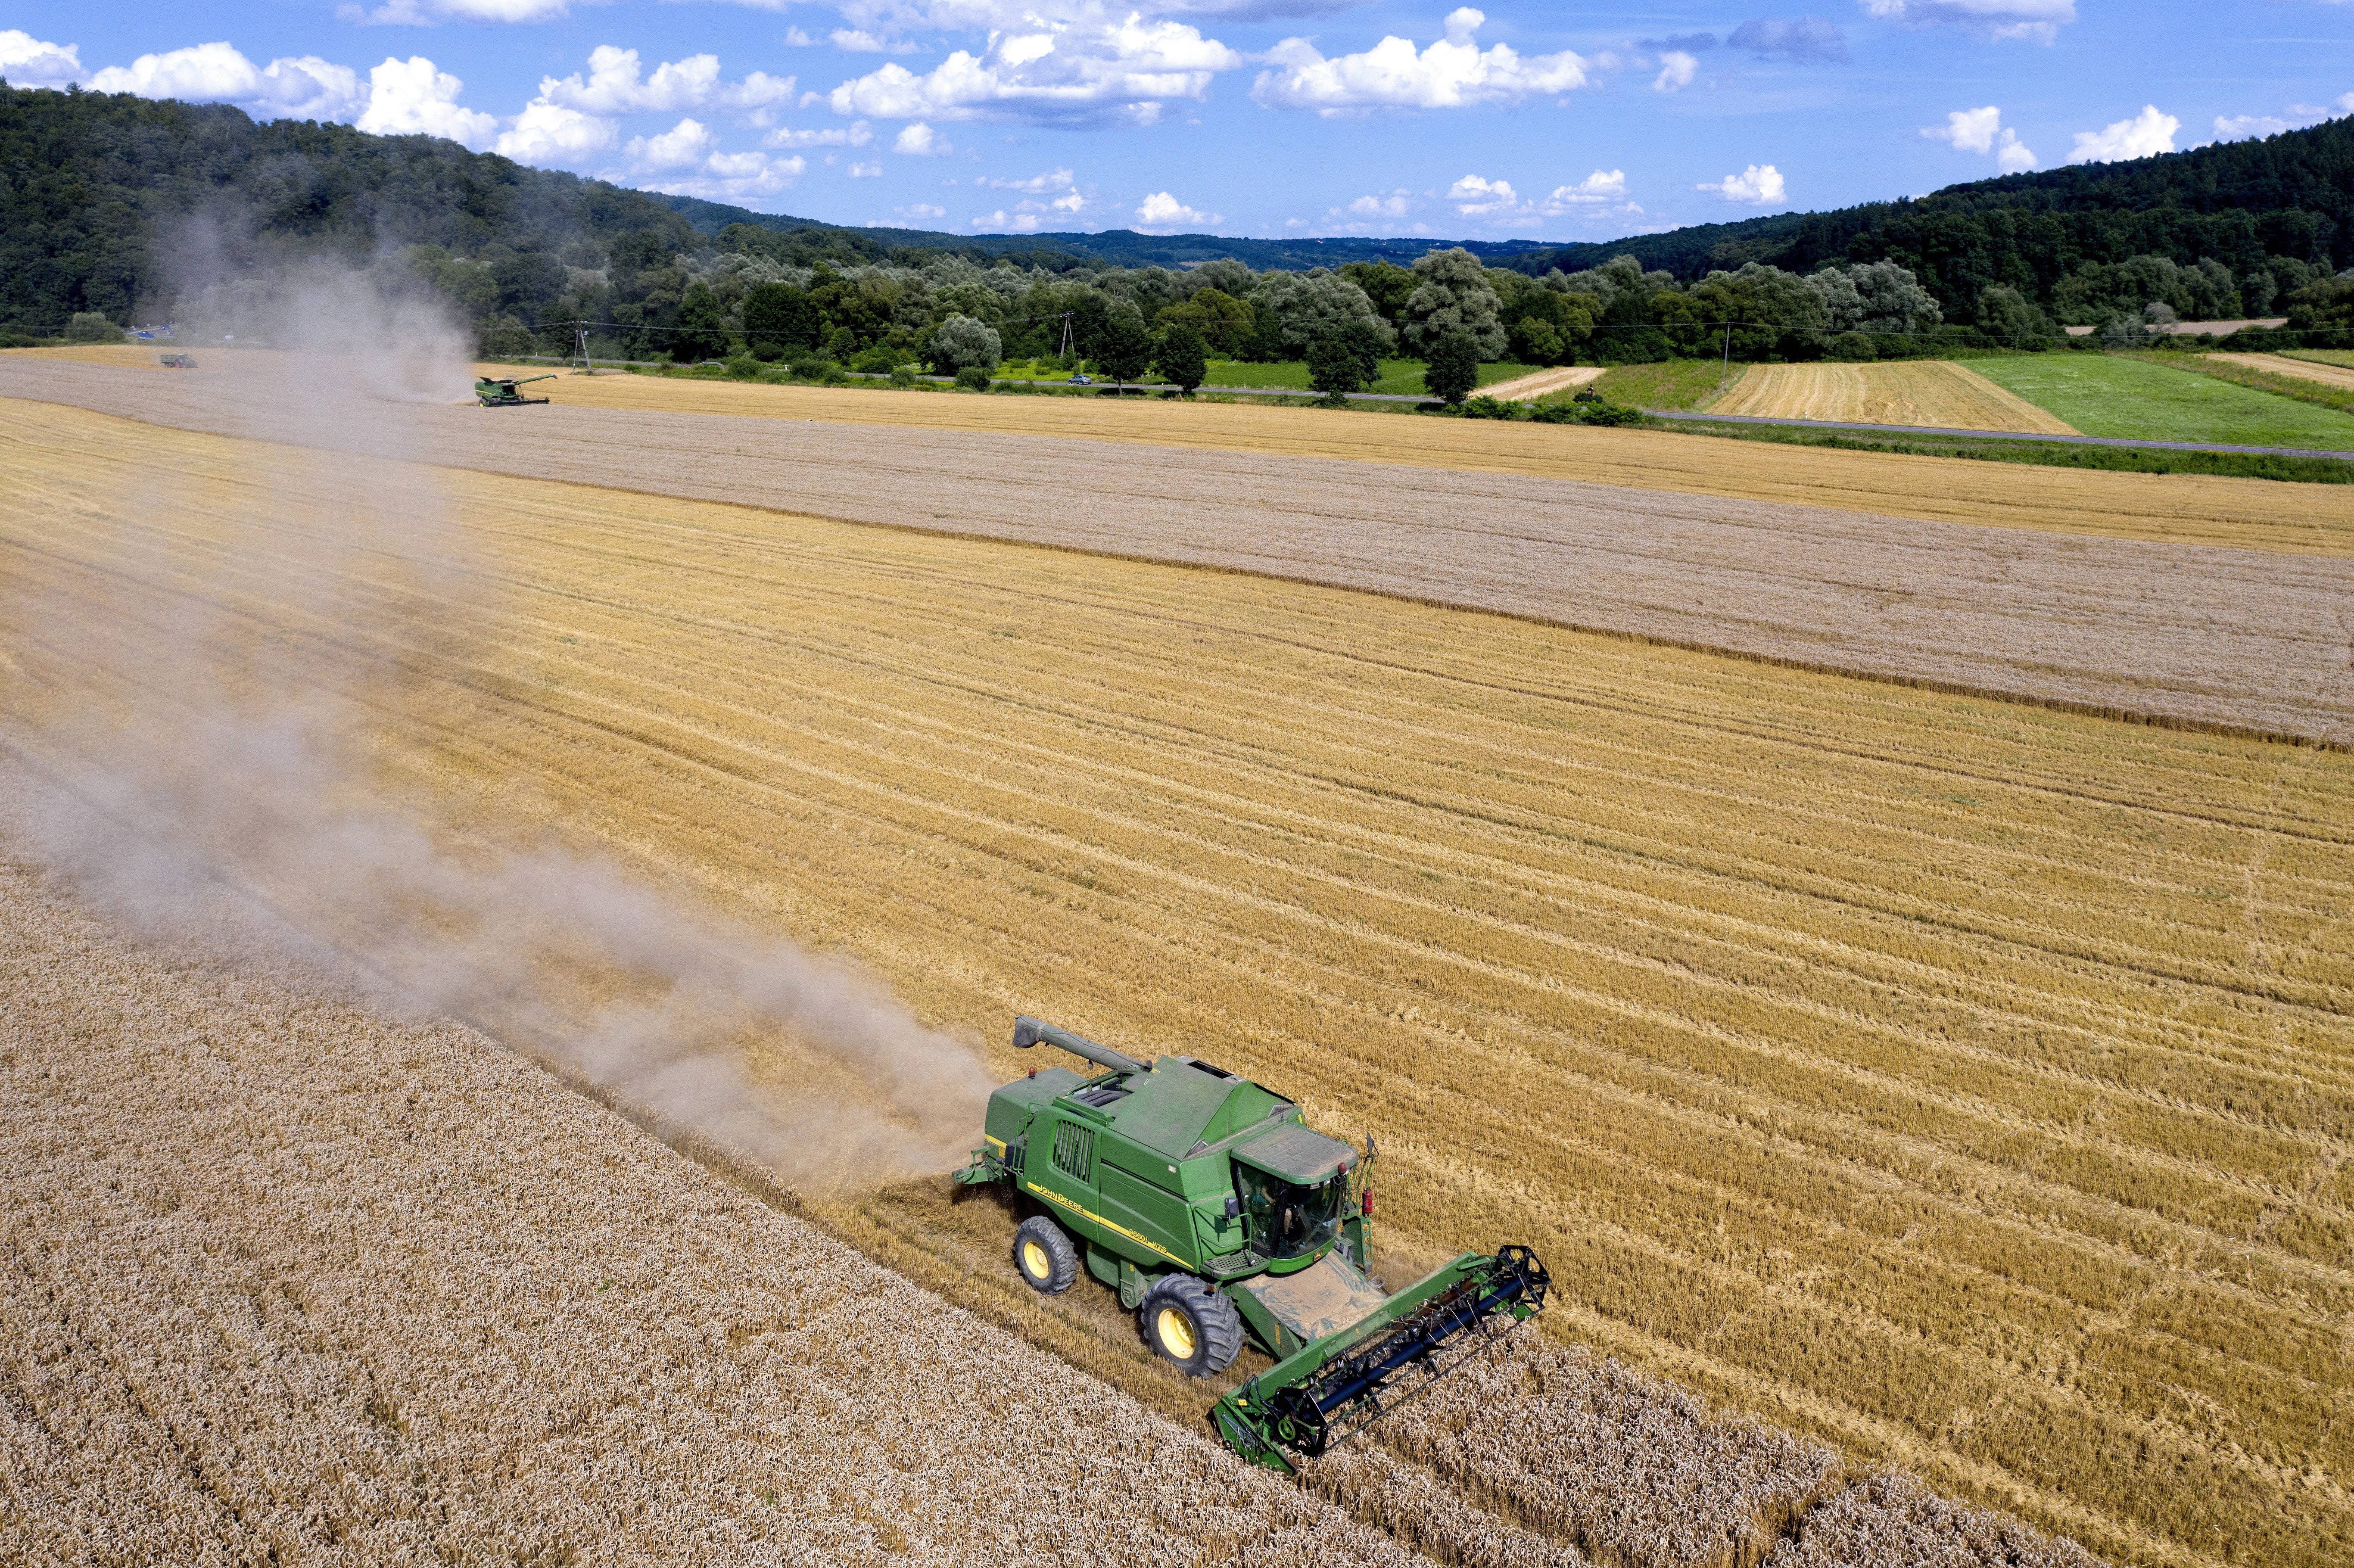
x=1176, y=1331
x=1035, y=1262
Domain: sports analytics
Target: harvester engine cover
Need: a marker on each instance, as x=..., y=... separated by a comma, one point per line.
x=1221, y=1217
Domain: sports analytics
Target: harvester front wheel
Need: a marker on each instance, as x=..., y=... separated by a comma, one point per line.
x=1191, y=1325
x=1044, y=1255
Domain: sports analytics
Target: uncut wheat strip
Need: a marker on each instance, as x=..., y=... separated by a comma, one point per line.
x=1415, y=1508
x=1889, y=632
x=1636, y=1472
x=1893, y=1519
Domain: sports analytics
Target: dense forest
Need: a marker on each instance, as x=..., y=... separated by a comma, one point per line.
x=115, y=209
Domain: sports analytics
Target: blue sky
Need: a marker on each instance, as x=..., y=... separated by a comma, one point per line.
x=1261, y=117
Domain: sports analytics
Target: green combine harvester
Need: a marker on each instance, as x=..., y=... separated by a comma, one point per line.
x=500, y=391
x=1219, y=1215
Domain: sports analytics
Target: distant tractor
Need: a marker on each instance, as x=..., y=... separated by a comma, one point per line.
x=1221, y=1217
x=500, y=391
x=179, y=361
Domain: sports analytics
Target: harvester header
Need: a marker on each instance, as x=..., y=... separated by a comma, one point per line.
x=1222, y=1218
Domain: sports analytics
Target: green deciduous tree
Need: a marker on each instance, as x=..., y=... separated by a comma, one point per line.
x=777, y=319
x=1183, y=358
x=1454, y=296
x=1126, y=348
x=1453, y=369
x=962, y=343
x=701, y=331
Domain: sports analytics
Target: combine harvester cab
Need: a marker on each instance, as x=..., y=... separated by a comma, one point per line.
x=1219, y=1215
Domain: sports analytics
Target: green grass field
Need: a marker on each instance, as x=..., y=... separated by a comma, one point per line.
x=1400, y=375
x=1684, y=384
x=2318, y=356
x=2108, y=395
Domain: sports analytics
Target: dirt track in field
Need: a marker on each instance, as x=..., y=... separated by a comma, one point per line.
x=2244, y=640
x=2338, y=376
x=1935, y=393
x=1524, y=389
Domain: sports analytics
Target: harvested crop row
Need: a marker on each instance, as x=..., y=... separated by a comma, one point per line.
x=288, y=1281
x=1963, y=1084
x=1936, y=394
x=2244, y=640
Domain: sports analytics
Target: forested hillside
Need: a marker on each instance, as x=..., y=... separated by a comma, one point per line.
x=2240, y=204
x=116, y=208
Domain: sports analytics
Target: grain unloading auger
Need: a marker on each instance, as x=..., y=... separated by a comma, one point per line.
x=1219, y=1215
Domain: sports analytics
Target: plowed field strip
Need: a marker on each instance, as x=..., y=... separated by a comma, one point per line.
x=1972, y=1083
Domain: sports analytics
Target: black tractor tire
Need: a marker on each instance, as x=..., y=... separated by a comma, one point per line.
x=1044, y=1255
x=1191, y=1325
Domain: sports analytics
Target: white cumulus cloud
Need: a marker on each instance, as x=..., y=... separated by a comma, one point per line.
x=426, y=13
x=1675, y=68
x=1475, y=196
x=687, y=143
x=1076, y=67
x=26, y=61
x=1013, y=223
x=872, y=170
x=1165, y=212
x=2296, y=117
x=305, y=87
x=2146, y=134
x=920, y=141
x=1052, y=180
x=616, y=84
x=1759, y=185
x=1981, y=131
x=922, y=210
x=414, y=97
x=548, y=133
x=1451, y=73
x=1601, y=186
x=1396, y=204
x=858, y=41
x=853, y=135
x=2037, y=21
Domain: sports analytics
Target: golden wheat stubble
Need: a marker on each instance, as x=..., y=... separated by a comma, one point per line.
x=1966, y=1083
x=1935, y=393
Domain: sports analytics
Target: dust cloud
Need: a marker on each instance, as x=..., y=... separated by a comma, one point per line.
x=212, y=724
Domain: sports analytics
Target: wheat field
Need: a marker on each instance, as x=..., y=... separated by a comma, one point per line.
x=1936, y=394
x=2250, y=514
x=2338, y=376
x=1965, y=1084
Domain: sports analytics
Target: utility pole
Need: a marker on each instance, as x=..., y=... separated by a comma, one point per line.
x=584, y=360
x=1066, y=335
x=1724, y=370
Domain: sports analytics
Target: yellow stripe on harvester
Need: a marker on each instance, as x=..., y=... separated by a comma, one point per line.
x=1108, y=1224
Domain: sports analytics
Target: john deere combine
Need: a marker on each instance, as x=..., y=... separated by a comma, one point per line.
x=1219, y=1215
x=500, y=391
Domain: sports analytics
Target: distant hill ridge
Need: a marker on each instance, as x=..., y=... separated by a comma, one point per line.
x=93, y=179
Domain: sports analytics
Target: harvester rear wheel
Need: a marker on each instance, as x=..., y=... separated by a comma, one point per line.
x=1044, y=1255
x=1191, y=1325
